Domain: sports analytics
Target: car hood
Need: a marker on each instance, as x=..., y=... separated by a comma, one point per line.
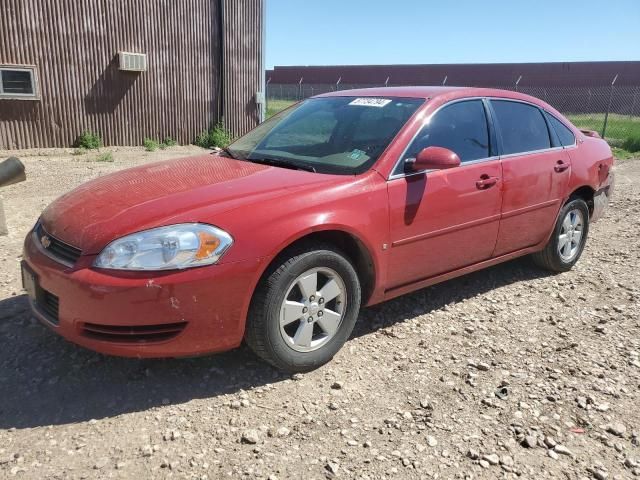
x=101, y=210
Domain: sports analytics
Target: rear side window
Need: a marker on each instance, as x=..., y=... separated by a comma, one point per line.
x=564, y=134
x=522, y=127
x=460, y=127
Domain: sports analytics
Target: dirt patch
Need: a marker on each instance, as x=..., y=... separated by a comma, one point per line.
x=503, y=373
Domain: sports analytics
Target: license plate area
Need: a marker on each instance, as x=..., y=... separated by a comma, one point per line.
x=29, y=282
x=45, y=303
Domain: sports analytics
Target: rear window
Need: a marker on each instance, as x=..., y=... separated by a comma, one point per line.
x=522, y=127
x=564, y=134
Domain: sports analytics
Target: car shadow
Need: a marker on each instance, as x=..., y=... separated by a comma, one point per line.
x=46, y=380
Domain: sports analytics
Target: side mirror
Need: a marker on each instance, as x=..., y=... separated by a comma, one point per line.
x=433, y=158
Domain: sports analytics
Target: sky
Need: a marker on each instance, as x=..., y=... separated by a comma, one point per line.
x=346, y=32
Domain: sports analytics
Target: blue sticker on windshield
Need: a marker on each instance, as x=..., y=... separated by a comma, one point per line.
x=356, y=154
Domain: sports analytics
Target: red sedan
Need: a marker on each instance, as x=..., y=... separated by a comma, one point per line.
x=343, y=200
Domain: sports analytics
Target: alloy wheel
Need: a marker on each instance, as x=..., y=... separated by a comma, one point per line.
x=571, y=233
x=312, y=310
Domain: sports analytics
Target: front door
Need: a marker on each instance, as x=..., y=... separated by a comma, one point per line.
x=446, y=219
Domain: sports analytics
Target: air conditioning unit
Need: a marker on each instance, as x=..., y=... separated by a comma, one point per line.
x=133, y=62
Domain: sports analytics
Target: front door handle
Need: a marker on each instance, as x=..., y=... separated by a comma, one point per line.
x=561, y=166
x=486, y=182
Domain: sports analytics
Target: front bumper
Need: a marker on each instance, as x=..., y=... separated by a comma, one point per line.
x=142, y=314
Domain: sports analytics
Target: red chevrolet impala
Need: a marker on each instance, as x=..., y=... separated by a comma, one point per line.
x=343, y=200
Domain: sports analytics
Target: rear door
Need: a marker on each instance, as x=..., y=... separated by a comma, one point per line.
x=442, y=220
x=535, y=175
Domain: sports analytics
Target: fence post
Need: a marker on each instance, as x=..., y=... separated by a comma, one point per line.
x=300, y=88
x=338, y=83
x=606, y=115
x=386, y=82
x=518, y=82
x=444, y=82
x=633, y=104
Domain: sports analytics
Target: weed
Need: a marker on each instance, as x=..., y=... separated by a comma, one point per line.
x=168, y=142
x=218, y=136
x=105, y=157
x=150, y=145
x=89, y=140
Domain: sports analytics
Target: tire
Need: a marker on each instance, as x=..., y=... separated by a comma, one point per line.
x=561, y=254
x=291, y=347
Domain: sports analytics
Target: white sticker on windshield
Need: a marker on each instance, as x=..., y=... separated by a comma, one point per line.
x=371, y=102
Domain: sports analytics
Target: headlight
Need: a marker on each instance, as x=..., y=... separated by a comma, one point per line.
x=166, y=248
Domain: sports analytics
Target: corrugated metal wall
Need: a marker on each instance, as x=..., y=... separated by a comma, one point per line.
x=74, y=44
x=241, y=76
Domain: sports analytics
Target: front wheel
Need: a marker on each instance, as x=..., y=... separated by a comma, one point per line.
x=568, y=238
x=305, y=309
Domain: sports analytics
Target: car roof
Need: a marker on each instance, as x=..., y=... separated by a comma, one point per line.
x=430, y=92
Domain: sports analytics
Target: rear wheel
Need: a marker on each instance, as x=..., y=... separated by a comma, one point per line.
x=305, y=309
x=568, y=238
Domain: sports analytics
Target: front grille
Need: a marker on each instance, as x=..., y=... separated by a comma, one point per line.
x=56, y=248
x=132, y=333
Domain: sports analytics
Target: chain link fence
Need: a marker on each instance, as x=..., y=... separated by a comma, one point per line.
x=612, y=111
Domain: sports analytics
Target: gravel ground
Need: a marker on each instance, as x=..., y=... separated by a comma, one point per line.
x=510, y=372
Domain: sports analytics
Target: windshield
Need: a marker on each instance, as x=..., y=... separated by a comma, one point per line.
x=343, y=135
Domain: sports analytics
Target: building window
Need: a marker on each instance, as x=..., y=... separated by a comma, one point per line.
x=18, y=82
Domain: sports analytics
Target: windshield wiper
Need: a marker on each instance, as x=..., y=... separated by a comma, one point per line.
x=226, y=151
x=276, y=162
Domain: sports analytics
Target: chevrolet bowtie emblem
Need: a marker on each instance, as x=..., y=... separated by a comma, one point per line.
x=45, y=241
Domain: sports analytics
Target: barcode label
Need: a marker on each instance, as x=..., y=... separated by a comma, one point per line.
x=371, y=102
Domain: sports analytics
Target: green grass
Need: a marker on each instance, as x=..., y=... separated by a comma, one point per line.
x=619, y=127
x=623, y=154
x=632, y=144
x=275, y=106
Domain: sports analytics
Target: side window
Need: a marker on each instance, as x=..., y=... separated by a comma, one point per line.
x=460, y=127
x=522, y=127
x=564, y=134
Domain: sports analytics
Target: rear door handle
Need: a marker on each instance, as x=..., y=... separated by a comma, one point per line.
x=561, y=166
x=486, y=182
